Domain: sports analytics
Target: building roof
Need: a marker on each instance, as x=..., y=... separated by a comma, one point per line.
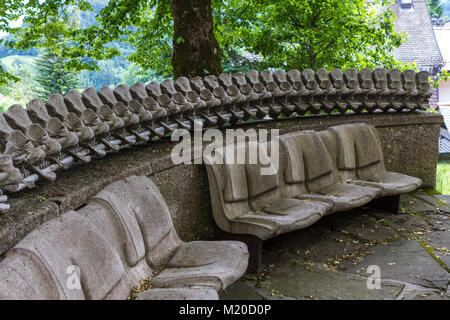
x=444, y=142
x=420, y=46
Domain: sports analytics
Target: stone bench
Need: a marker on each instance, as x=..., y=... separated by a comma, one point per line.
x=123, y=235
x=319, y=173
x=359, y=160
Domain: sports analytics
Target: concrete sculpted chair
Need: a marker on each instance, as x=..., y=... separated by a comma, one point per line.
x=250, y=206
x=36, y=268
x=121, y=237
x=308, y=173
x=359, y=160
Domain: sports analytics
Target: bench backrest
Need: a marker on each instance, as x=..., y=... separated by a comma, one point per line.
x=120, y=237
x=241, y=186
x=358, y=150
x=306, y=163
x=50, y=253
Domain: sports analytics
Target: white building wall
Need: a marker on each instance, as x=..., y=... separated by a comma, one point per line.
x=444, y=93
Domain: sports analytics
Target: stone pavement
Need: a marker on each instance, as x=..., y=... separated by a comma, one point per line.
x=334, y=258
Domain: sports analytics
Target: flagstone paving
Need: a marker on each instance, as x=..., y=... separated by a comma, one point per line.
x=336, y=257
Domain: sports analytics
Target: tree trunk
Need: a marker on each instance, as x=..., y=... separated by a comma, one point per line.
x=196, y=51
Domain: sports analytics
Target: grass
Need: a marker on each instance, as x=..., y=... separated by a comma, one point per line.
x=443, y=177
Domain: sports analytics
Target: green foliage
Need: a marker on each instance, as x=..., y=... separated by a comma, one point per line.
x=441, y=76
x=5, y=51
x=135, y=73
x=289, y=34
x=40, y=29
x=52, y=75
x=282, y=33
x=109, y=74
x=443, y=177
x=319, y=33
x=6, y=77
x=19, y=91
x=238, y=60
x=147, y=25
x=435, y=8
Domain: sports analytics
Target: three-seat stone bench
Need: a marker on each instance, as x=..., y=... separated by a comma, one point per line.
x=319, y=173
x=122, y=236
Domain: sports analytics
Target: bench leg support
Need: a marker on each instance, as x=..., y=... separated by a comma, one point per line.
x=391, y=203
x=254, y=245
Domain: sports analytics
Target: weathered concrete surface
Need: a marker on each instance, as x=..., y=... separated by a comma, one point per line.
x=329, y=260
x=72, y=189
x=186, y=191
x=186, y=187
x=27, y=214
x=410, y=141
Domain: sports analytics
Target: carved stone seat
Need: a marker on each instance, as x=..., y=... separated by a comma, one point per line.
x=215, y=99
x=366, y=81
x=324, y=81
x=18, y=118
x=122, y=236
x=122, y=93
x=153, y=106
x=247, y=202
x=37, y=267
x=308, y=77
x=201, y=263
x=410, y=88
x=165, y=102
x=56, y=107
x=266, y=95
x=18, y=146
x=337, y=79
x=295, y=78
x=245, y=92
x=266, y=77
x=360, y=159
x=9, y=175
x=289, y=93
x=424, y=89
x=309, y=173
x=395, y=86
x=252, y=78
x=93, y=101
x=88, y=116
x=302, y=104
x=54, y=126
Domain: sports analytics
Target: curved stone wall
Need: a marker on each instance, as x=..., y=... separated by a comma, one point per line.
x=47, y=137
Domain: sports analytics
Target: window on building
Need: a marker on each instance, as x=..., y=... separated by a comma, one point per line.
x=406, y=4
